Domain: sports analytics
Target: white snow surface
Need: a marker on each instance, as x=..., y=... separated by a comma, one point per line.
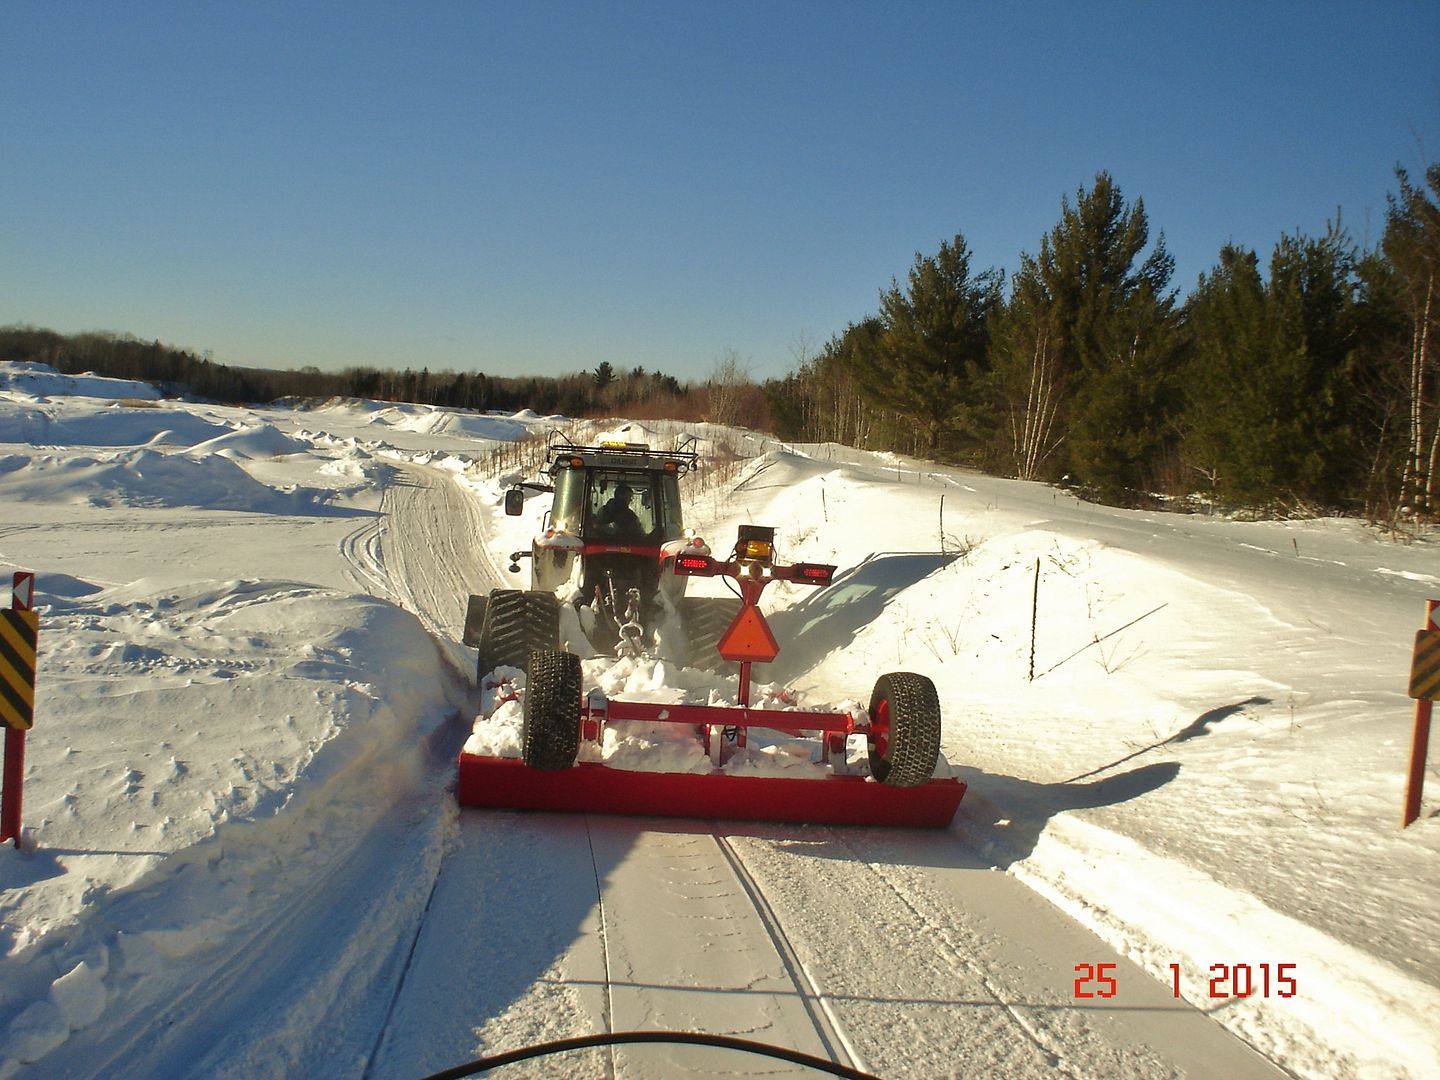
x=247, y=707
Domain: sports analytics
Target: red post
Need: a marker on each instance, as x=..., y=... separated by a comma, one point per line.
x=1420, y=738
x=12, y=792
x=11, y=796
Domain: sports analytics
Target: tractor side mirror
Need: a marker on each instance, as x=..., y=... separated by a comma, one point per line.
x=514, y=502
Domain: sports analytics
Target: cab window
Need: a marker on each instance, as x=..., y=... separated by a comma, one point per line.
x=621, y=507
x=569, y=500
x=670, y=517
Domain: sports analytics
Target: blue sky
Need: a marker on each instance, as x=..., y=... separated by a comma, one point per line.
x=521, y=188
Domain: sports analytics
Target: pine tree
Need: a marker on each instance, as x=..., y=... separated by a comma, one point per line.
x=1085, y=368
x=925, y=354
x=1226, y=421
x=1313, y=295
x=1271, y=405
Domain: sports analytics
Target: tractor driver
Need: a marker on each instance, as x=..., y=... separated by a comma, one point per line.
x=617, y=520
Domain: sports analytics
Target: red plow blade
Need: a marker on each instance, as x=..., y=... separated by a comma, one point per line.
x=589, y=788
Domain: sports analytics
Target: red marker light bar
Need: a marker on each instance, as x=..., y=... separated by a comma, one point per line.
x=693, y=565
x=814, y=573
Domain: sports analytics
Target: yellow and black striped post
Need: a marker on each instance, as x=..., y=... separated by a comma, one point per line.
x=19, y=631
x=1424, y=688
x=19, y=634
x=1425, y=669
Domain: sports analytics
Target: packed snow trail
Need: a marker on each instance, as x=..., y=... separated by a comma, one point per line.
x=425, y=552
x=432, y=548
x=889, y=951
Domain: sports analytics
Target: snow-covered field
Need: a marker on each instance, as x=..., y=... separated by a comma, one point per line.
x=251, y=691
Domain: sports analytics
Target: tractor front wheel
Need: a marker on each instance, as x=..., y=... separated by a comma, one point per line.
x=904, y=737
x=550, y=728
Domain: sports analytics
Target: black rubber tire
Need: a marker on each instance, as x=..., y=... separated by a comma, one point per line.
x=913, y=708
x=705, y=618
x=474, y=621
x=516, y=624
x=550, y=730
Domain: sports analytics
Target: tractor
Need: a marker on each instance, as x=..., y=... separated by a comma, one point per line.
x=562, y=763
x=609, y=539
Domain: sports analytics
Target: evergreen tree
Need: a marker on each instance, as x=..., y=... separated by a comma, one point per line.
x=1313, y=296
x=1271, y=403
x=928, y=357
x=1089, y=345
x=1227, y=419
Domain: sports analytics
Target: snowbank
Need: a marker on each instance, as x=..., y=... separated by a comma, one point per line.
x=42, y=380
x=146, y=478
x=278, y=723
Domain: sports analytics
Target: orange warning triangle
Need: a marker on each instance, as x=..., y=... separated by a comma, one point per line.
x=748, y=638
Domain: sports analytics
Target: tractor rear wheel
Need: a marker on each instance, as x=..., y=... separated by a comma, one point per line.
x=516, y=623
x=550, y=728
x=705, y=618
x=904, y=738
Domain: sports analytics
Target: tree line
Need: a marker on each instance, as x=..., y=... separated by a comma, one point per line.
x=180, y=372
x=1307, y=381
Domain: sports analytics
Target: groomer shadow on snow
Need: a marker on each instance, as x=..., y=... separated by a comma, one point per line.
x=998, y=824
x=1002, y=817
x=832, y=617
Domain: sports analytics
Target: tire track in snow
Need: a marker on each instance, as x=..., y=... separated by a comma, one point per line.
x=935, y=964
x=1054, y=1055
x=690, y=944
x=827, y=1024
x=426, y=551
x=364, y=564
x=892, y=985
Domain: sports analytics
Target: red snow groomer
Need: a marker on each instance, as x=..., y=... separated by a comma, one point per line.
x=562, y=765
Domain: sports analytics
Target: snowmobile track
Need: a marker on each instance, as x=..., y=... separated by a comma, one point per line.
x=827, y=1024
x=425, y=550
x=365, y=564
